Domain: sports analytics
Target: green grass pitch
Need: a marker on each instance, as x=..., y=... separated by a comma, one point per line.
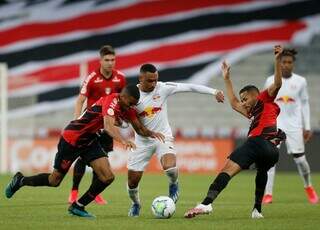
x=46, y=208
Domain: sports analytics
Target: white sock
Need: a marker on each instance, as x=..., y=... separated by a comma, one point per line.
x=304, y=170
x=134, y=194
x=270, y=182
x=172, y=174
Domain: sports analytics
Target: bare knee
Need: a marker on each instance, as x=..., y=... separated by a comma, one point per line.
x=134, y=179
x=55, y=179
x=106, y=178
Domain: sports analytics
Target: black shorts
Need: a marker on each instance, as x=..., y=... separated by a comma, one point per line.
x=68, y=153
x=256, y=150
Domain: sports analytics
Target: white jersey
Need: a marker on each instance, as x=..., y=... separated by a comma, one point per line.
x=293, y=101
x=152, y=107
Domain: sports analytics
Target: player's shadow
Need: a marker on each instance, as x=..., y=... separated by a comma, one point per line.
x=34, y=205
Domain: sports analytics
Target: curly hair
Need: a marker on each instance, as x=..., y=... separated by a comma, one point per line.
x=290, y=52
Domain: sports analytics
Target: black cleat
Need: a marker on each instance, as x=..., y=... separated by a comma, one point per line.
x=14, y=185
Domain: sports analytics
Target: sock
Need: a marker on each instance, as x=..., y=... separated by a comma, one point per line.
x=97, y=186
x=78, y=172
x=134, y=194
x=172, y=174
x=216, y=187
x=261, y=181
x=37, y=180
x=270, y=182
x=304, y=170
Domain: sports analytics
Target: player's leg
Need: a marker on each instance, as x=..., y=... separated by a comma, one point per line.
x=220, y=182
x=137, y=162
x=261, y=181
x=296, y=148
x=78, y=172
x=103, y=179
x=134, y=178
x=99, y=198
x=267, y=198
x=167, y=155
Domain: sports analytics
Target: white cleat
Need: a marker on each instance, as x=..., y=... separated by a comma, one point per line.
x=256, y=214
x=200, y=209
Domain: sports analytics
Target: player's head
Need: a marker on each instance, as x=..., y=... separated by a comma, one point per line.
x=148, y=77
x=288, y=58
x=129, y=96
x=107, y=58
x=248, y=96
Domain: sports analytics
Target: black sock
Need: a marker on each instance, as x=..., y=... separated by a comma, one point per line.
x=97, y=186
x=78, y=172
x=261, y=181
x=37, y=180
x=216, y=187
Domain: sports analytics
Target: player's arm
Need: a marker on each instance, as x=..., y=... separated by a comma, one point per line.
x=79, y=105
x=305, y=107
x=233, y=100
x=174, y=87
x=114, y=132
x=273, y=89
x=143, y=131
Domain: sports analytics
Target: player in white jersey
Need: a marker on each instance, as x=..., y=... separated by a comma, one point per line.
x=152, y=112
x=294, y=120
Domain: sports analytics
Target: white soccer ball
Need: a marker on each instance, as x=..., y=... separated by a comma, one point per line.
x=163, y=207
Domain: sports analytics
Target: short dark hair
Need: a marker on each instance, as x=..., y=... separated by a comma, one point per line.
x=106, y=49
x=248, y=88
x=133, y=90
x=148, y=68
x=289, y=52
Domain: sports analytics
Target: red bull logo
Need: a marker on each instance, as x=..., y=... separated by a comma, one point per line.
x=286, y=99
x=149, y=112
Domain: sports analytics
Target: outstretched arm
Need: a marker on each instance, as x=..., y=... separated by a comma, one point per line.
x=143, y=131
x=174, y=87
x=274, y=88
x=234, y=101
x=114, y=132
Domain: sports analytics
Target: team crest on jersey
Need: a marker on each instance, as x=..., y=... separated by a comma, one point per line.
x=156, y=96
x=108, y=91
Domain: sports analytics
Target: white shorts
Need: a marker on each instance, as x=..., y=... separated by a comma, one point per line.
x=294, y=142
x=139, y=159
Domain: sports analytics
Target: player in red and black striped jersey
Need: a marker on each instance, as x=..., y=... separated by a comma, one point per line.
x=102, y=82
x=79, y=139
x=263, y=137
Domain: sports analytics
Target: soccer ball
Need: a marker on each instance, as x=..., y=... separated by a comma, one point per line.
x=163, y=207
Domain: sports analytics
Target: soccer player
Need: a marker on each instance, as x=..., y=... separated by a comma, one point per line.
x=260, y=147
x=152, y=112
x=294, y=120
x=103, y=81
x=79, y=139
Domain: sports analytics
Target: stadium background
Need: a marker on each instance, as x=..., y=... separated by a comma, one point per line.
x=49, y=46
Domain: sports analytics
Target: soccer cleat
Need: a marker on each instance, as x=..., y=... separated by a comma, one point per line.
x=99, y=200
x=174, y=192
x=312, y=195
x=267, y=199
x=14, y=185
x=256, y=214
x=200, y=209
x=76, y=210
x=134, y=210
x=73, y=197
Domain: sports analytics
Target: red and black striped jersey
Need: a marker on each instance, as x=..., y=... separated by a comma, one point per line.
x=81, y=132
x=264, y=115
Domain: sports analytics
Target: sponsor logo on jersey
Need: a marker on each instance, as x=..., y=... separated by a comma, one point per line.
x=286, y=99
x=150, y=112
x=98, y=80
x=116, y=79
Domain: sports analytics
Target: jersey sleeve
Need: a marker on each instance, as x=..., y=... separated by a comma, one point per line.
x=85, y=87
x=123, y=82
x=173, y=87
x=131, y=114
x=305, y=106
x=107, y=110
x=265, y=97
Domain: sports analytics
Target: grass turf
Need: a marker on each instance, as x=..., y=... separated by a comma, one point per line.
x=46, y=208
